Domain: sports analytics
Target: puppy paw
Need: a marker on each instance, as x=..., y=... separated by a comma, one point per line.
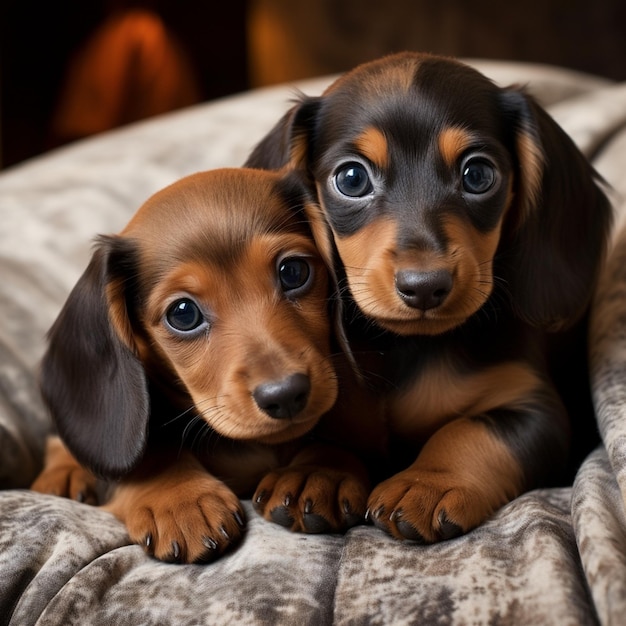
x=427, y=507
x=62, y=475
x=312, y=499
x=186, y=521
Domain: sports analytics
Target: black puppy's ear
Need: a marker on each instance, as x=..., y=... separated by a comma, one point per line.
x=555, y=234
x=325, y=243
x=91, y=379
x=288, y=143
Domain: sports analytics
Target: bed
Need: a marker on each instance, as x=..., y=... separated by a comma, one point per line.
x=552, y=556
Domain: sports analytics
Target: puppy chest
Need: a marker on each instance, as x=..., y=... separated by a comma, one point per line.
x=439, y=394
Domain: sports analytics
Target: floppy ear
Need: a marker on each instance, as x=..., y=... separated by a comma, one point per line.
x=288, y=143
x=91, y=380
x=325, y=243
x=555, y=234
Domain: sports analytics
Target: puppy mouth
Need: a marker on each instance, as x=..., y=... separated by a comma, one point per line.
x=419, y=302
x=275, y=410
x=401, y=318
x=262, y=429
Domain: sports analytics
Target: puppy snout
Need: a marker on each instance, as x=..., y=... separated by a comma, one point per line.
x=423, y=290
x=283, y=399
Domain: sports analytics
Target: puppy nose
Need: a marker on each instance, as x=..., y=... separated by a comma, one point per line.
x=423, y=290
x=283, y=399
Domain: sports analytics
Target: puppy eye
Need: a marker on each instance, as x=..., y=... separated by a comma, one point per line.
x=479, y=175
x=184, y=315
x=294, y=273
x=352, y=180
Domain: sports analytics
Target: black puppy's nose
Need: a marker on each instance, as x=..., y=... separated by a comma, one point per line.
x=423, y=290
x=283, y=399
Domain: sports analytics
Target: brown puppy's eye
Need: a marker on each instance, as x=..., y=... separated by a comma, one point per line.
x=294, y=274
x=184, y=316
x=352, y=180
x=479, y=175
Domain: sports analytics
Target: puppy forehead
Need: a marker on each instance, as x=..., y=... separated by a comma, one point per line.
x=411, y=74
x=251, y=271
x=451, y=142
x=395, y=73
x=214, y=216
x=411, y=98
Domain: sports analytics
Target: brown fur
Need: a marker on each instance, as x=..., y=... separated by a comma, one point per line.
x=189, y=419
x=465, y=261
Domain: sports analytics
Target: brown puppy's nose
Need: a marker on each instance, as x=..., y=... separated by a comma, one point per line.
x=423, y=290
x=283, y=399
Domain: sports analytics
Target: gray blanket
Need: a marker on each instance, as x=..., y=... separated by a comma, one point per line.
x=553, y=556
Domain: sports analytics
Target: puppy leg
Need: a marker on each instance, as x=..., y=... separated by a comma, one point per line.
x=323, y=489
x=62, y=475
x=177, y=511
x=463, y=474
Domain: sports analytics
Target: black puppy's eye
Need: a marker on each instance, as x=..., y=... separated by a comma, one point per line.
x=352, y=180
x=294, y=273
x=184, y=315
x=479, y=175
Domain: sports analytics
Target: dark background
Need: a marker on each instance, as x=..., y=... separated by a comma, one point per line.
x=237, y=44
x=38, y=37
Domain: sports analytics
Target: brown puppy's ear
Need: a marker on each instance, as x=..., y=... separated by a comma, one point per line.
x=91, y=380
x=288, y=142
x=555, y=233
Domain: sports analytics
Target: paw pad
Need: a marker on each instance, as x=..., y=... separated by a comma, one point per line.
x=281, y=515
x=447, y=528
x=314, y=523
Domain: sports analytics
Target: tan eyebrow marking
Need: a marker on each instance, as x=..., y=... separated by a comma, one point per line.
x=372, y=144
x=453, y=142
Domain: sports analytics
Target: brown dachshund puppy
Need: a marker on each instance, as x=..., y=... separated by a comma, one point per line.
x=192, y=357
x=467, y=232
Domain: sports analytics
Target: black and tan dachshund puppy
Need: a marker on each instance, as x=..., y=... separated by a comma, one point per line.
x=192, y=358
x=467, y=232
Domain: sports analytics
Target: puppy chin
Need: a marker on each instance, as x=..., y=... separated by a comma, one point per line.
x=291, y=432
x=420, y=326
x=403, y=320
x=266, y=430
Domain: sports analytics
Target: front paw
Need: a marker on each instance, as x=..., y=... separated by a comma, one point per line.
x=194, y=521
x=427, y=507
x=312, y=499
